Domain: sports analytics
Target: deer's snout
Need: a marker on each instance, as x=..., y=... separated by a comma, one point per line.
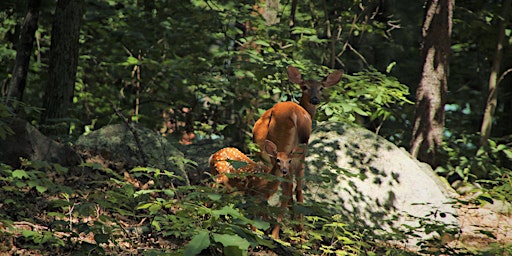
x=314, y=101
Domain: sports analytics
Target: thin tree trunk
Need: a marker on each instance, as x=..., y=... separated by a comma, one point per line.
x=23, y=52
x=492, y=99
x=291, y=24
x=428, y=128
x=58, y=93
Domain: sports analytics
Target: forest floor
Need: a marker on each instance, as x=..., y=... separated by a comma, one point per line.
x=484, y=226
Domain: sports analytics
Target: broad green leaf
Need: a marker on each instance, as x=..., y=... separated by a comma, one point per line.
x=228, y=240
x=214, y=196
x=261, y=224
x=169, y=192
x=360, y=111
x=155, y=208
x=20, y=174
x=236, y=164
x=28, y=233
x=155, y=223
x=41, y=189
x=60, y=169
x=501, y=147
x=198, y=243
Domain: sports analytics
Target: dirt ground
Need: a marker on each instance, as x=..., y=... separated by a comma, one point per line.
x=484, y=226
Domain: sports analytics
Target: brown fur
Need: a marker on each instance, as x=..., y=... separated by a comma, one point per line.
x=252, y=185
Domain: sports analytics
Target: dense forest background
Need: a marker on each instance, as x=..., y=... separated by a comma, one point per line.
x=196, y=70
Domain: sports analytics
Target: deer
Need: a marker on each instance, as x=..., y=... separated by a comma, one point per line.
x=310, y=98
x=289, y=126
x=248, y=183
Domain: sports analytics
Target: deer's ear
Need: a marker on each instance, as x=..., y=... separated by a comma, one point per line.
x=271, y=148
x=333, y=78
x=294, y=75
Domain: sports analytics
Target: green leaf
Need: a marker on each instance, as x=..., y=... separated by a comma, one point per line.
x=501, y=147
x=508, y=152
x=360, y=111
x=262, y=42
x=20, y=174
x=155, y=223
x=198, y=243
x=28, y=233
x=486, y=198
x=101, y=238
x=169, y=192
x=155, y=208
x=236, y=164
x=231, y=240
x=41, y=189
x=260, y=224
x=130, y=61
x=390, y=67
x=328, y=111
x=144, y=206
x=146, y=191
x=214, y=196
x=480, y=152
x=60, y=169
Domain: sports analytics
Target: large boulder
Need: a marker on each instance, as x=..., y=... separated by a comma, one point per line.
x=118, y=145
x=373, y=183
x=28, y=142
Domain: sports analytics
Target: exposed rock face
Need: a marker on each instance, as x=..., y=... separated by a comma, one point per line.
x=28, y=142
x=372, y=182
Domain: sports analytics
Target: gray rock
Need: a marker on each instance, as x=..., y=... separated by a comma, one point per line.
x=373, y=183
x=117, y=144
x=28, y=142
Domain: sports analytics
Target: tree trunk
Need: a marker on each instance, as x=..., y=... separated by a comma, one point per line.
x=23, y=52
x=429, y=118
x=291, y=23
x=58, y=93
x=492, y=100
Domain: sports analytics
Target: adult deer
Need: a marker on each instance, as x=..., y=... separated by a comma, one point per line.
x=247, y=182
x=289, y=126
x=311, y=94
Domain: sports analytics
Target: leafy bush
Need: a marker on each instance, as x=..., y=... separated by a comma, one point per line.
x=370, y=94
x=488, y=166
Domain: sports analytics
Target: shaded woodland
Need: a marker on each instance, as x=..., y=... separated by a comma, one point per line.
x=189, y=77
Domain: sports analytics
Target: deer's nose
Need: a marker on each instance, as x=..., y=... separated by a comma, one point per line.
x=314, y=101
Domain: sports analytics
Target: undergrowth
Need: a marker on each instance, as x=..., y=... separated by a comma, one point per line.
x=93, y=210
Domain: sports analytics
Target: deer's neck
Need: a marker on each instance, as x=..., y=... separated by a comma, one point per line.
x=310, y=108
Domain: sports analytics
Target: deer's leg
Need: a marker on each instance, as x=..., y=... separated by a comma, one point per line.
x=287, y=188
x=298, y=192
